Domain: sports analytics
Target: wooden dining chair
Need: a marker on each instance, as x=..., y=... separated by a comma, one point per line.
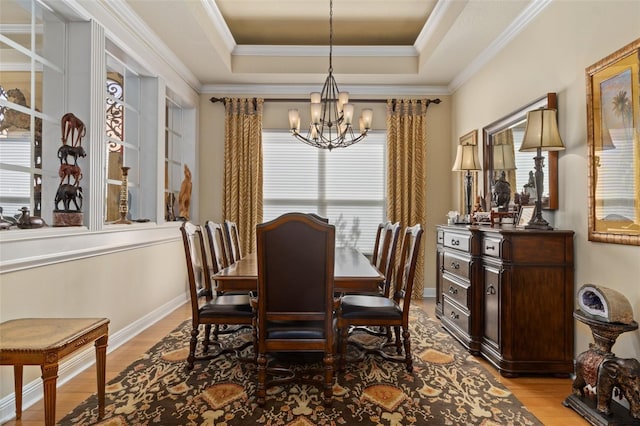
x=376, y=311
x=384, y=252
x=217, y=246
x=221, y=310
x=377, y=247
x=295, y=302
x=232, y=236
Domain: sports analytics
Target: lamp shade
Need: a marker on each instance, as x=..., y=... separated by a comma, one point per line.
x=466, y=158
x=542, y=131
x=503, y=157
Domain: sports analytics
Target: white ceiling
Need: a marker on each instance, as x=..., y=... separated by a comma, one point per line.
x=414, y=43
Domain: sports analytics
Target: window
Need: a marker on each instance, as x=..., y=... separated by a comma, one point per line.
x=173, y=148
x=348, y=185
x=27, y=106
x=122, y=137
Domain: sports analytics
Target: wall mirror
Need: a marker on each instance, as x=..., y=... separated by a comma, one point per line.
x=613, y=129
x=502, y=140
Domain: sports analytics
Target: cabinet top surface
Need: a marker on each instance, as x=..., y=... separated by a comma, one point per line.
x=502, y=229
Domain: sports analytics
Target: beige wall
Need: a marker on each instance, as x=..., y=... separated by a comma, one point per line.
x=275, y=117
x=551, y=55
x=123, y=286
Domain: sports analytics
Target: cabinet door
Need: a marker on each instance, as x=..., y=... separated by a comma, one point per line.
x=492, y=304
x=439, y=272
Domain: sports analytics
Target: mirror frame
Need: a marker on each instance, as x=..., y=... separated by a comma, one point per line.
x=551, y=161
x=626, y=58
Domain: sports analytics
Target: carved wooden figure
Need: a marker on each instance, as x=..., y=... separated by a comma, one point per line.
x=70, y=125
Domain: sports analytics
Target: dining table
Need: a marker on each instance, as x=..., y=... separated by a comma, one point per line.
x=353, y=273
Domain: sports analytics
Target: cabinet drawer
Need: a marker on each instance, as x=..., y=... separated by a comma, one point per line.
x=455, y=315
x=491, y=247
x=455, y=291
x=457, y=241
x=457, y=265
x=440, y=237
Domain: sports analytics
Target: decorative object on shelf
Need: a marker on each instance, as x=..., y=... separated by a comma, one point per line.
x=525, y=215
x=123, y=204
x=69, y=193
x=331, y=113
x=497, y=216
x=608, y=314
x=613, y=132
x=541, y=134
x=6, y=222
x=184, y=197
x=169, y=214
x=504, y=161
x=467, y=161
x=26, y=221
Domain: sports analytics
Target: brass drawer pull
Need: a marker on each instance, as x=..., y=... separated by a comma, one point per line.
x=455, y=265
x=453, y=290
x=491, y=290
x=490, y=247
x=454, y=316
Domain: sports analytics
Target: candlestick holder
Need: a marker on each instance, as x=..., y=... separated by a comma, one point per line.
x=123, y=206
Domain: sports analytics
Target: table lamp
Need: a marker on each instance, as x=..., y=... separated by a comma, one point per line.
x=541, y=134
x=466, y=161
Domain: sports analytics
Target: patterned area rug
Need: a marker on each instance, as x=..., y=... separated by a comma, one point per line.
x=447, y=387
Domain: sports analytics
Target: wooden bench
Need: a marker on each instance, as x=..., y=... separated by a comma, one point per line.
x=44, y=342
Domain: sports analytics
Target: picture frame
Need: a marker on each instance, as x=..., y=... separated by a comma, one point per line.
x=525, y=215
x=470, y=138
x=613, y=132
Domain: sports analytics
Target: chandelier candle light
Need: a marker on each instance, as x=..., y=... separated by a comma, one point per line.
x=331, y=113
x=541, y=134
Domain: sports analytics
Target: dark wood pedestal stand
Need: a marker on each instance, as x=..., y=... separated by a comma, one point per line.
x=587, y=364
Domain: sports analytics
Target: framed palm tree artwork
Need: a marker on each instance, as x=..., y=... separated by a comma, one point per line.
x=613, y=130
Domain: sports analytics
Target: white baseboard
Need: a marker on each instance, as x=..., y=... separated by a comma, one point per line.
x=32, y=392
x=429, y=292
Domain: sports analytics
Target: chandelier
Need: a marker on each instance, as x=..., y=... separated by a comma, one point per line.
x=331, y=113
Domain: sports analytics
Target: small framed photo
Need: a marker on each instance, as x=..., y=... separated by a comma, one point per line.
x=526, y=213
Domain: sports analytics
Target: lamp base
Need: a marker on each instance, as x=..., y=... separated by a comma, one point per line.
x=539, y=223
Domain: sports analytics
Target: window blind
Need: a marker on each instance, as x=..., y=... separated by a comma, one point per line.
x=348, y=186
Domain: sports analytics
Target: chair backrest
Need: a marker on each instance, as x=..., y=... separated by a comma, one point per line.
x=317, y=216
x=295, y=255
x=234, y=251
x=387, y=256
x=194, y=251
x=217, y=249
x=377, y=247
x=406, y=269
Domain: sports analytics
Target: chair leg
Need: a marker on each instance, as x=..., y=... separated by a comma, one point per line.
x=328, y=379
x=407, y=349
x=207, y=332
x=261, y=391
x=398, y=344
x=344, y=334
x=192, y=347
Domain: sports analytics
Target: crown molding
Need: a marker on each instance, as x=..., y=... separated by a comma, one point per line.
x=507, y=36
x=298, y=89
x=213, y=12
x=301, y=51
x=440, y=13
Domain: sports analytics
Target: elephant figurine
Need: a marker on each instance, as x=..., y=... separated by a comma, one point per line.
x=625, y=374
x=68, y=193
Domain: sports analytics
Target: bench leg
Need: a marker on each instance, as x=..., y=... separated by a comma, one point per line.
x=17, y=385
x=49, y=379
x=101, y=366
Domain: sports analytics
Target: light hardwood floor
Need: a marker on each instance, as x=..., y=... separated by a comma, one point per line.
x=543, y=396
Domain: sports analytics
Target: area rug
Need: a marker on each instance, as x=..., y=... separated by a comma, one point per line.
x=448, y=387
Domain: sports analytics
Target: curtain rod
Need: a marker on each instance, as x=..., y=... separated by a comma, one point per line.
x=428, y=101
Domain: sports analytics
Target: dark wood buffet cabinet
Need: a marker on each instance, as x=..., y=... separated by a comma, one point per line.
x=507, y=294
